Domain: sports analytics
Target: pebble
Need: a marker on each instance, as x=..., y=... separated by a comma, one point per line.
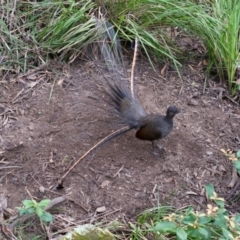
x=209, y=153
x=193, y=102
x=105, y=183
x=101, y=209
x=41, y=189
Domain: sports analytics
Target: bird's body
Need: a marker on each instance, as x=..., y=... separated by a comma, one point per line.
x=148, y=126
x=154, y=127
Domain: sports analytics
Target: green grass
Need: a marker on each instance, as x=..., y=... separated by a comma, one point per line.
x=31, y=32
x=68, y=28
x=214, y=22
x=36, y=30
x=152, y=27
x=224, y=48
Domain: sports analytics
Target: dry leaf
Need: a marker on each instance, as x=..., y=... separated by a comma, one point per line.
x=60, y=82
x=32, y=77
x=164, y=69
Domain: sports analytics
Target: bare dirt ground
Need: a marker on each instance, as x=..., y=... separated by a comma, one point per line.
x=49, y=124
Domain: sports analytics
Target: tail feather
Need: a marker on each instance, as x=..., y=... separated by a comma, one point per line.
x=128, y=107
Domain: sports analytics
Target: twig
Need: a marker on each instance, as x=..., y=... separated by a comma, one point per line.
x=87, y=220
x=234, y=178
x=28, y=193
x=12, y=13
x=117, y=173
x=232, y=193
x=104, y=140
x=51, y=92
x=7, y=167
x=47, y=229
x=69, y=199
x=26, y=89
x=133, y=66
x=30, y=72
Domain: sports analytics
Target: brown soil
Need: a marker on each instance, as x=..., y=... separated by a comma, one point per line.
x=48, y=126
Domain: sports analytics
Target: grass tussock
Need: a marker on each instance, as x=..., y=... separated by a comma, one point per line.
x=33, y=31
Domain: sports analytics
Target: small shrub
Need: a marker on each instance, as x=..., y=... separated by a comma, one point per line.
x=165, y=223
x=33, y=207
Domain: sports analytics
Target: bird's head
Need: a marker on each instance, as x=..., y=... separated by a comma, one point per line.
x=172, y=111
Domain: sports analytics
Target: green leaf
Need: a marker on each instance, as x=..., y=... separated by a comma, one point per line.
x=165, y=226
x=26, y=211
x=220, y=203
x=227, y=234
x=204, y=233
x=182, y=235
x=189, y=219
x=204, y=220
x=23, y=211
x=44, y=203
x=220, y=221
x=209, y=189
x=28, y=203
x=47, y=217
x=31, y=210
x=237, y=164
x=190, y=210
x=193, y=233
x=238, y=152
x=237, y=218
x=39, y=211
x=223, y=212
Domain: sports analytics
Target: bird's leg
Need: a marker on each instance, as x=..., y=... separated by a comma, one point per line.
x=153, y=145
x=153, y=151
x=160, y=148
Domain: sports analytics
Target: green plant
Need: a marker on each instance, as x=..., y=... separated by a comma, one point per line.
x=224, y=45
x=33, y=30
x=33, y=207
x=234, y=157
x=166, y=223
x=214, y=22
x=153, y=27
x=67, y=27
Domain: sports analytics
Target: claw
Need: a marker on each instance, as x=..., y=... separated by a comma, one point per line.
x=160, y=148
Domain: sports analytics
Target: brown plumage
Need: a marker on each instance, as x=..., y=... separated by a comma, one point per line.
x=149, y=126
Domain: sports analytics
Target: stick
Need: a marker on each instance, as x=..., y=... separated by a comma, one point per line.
x=104, y=140
x=133, y=66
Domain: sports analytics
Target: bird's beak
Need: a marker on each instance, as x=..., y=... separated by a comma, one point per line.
x=180, y=111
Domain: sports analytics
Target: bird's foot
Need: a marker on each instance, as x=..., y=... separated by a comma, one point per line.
x=160, y=148
x=160, y=151
x=155, y=154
